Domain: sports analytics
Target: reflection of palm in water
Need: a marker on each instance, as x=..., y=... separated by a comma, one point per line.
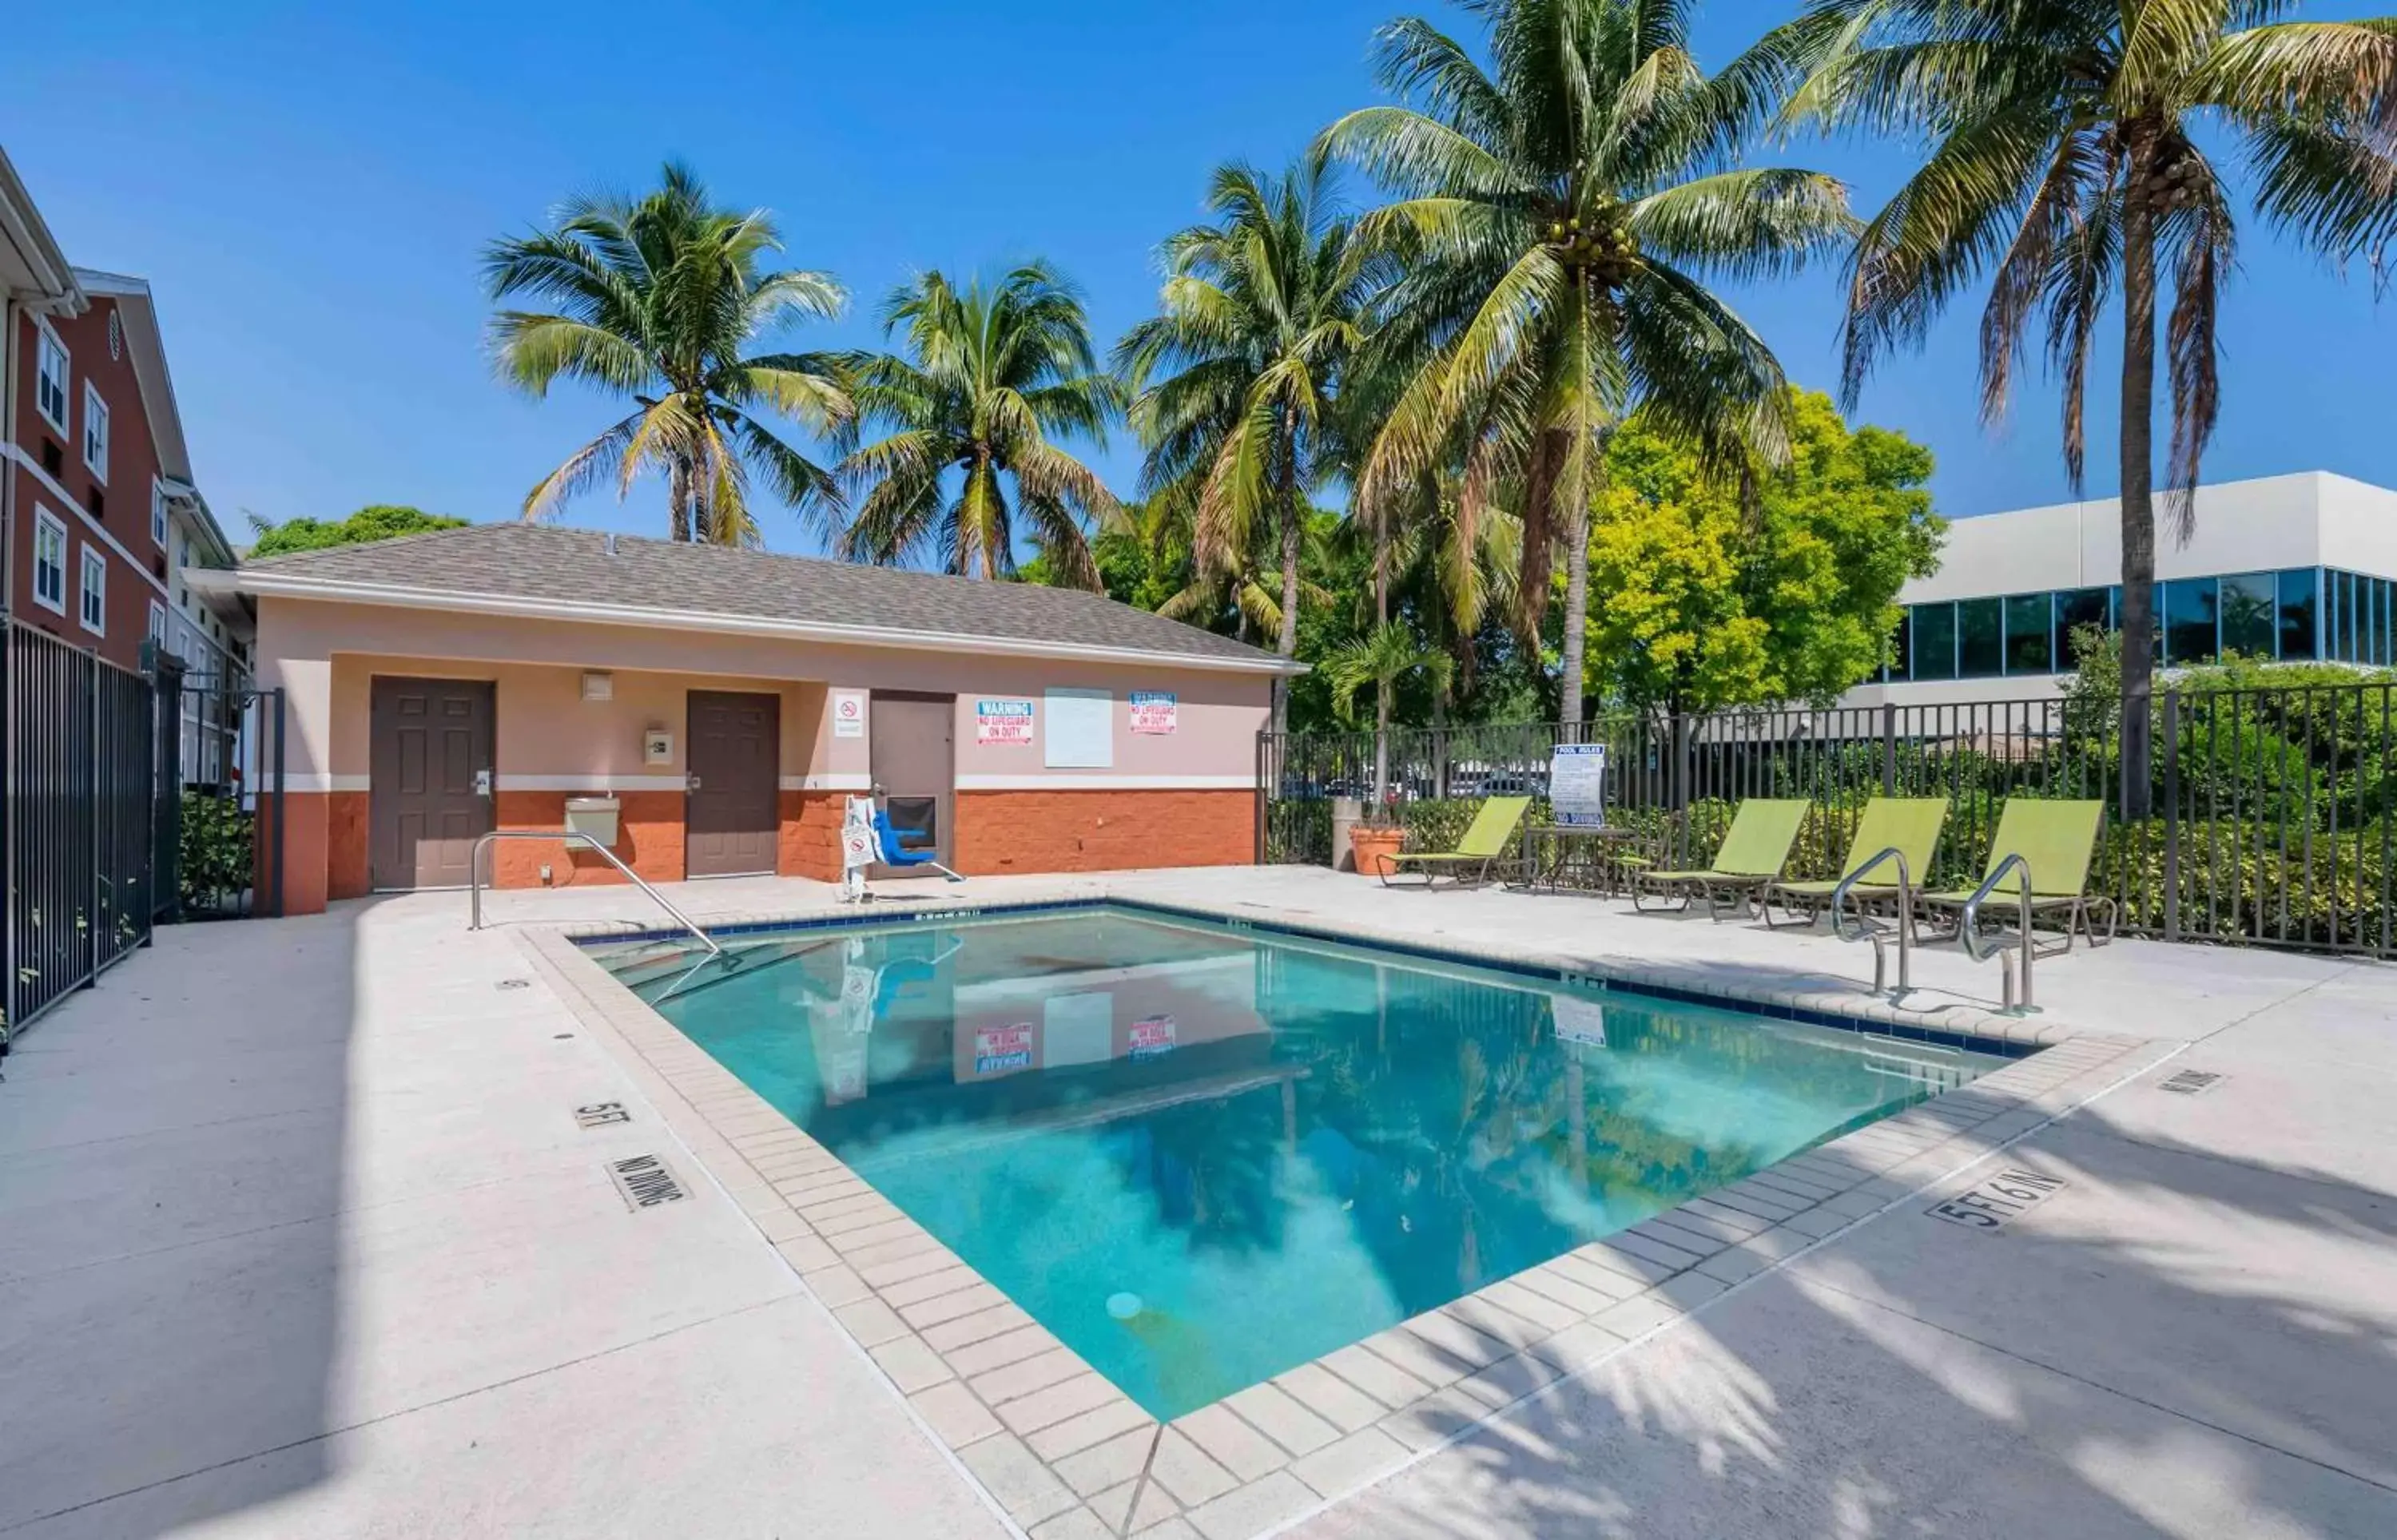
x=1186, y=1369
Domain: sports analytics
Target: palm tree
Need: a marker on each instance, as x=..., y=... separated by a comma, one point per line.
x=2066, y=161
x=992, y=376
x=1452, y=572
x=1559, y=215
x=658, y=299
x=1382, y=658
x=1235, y=381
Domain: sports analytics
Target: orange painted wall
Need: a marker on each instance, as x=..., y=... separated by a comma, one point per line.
x=345, y=844
x=649, y=839
x=808, y=841
x=1026, y=831
x=305, y=817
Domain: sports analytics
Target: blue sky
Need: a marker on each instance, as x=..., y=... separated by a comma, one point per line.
x=308, y=194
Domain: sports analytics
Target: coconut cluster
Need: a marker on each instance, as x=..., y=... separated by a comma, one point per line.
x=1605, y=247
x=2172, y=186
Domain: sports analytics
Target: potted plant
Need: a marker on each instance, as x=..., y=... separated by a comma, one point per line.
x=1377, y=836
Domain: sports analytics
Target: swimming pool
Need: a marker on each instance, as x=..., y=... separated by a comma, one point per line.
x=1201, y=1154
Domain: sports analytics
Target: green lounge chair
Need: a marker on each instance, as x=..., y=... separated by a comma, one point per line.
x=2055, y=841
x=1479, y=851
x=1909, y=825
x=1753, y=853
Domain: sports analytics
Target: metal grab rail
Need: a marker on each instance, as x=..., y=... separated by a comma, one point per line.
x=474, y=877
x=1873, y=932
x=1968, y=928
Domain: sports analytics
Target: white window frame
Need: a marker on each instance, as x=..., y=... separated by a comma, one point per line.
x=95, y=432
x=49, y=526
x=158, y=624
x=92, y=597
x=47, y=346
x=158, y=512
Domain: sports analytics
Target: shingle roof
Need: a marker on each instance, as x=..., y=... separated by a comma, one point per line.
x=573, y=567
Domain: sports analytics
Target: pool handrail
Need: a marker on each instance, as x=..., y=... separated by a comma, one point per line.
x=1872, y=930
x=474, y=877
x=1968, y=929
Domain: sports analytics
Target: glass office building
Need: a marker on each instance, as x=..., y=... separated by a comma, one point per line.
x=2295, y=614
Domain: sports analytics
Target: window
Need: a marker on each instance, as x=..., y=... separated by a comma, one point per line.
x=95, y=590
x=158, y=513
x=1901, y=642
x=2342, y=617
x=50, y=380
x=94, y=431
x=157, y=633
x=2298, y=604
x=2031, y=633
x=1932, y=654
x=49, y=560
x=1980, y=638
x=2249, y=627
x=2074, y=609
x=2189, y=605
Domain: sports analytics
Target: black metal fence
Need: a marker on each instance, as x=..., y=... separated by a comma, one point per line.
x=225, y=815
x=80, y=802
x=2271, y=811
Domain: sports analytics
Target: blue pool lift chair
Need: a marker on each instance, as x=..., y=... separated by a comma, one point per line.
x=886, y=835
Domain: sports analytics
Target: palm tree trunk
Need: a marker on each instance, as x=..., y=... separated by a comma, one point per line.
x=1384, y=687
x=679, y=499
x=2138, y=489
x=1577, y=621
x=1381, y=741
x=1287, y=644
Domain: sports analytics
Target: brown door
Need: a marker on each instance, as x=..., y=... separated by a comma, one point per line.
x=910, y=738
x=736, y=756
x=429, y=787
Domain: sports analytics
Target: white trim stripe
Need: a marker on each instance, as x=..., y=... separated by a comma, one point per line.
x=1069, y=782
x=93, y=528
x=592, y=781
x=316, y=781
x=837, y=780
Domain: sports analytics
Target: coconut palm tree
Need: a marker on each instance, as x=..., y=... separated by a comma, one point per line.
x=1382, y=658
x=1561, y=215
x=2069, y=161
x=1236, y=380
x=659, y=299
x=992, y=376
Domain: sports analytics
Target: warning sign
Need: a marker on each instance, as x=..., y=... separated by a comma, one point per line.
x=1154, y=711
x=1152, y=1036
x=1003, y=722
x=1001, y=1049
x=848, y=713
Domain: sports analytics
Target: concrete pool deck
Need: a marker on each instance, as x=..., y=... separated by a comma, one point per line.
x=299, y=1236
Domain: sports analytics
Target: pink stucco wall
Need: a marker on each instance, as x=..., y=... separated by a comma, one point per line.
x=325, y=655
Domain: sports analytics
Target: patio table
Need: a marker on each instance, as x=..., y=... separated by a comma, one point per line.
x=1603, y=850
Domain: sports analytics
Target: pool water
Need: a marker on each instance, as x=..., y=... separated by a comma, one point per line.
x=1202, y=1155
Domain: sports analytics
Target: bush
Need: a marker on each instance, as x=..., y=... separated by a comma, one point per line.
x=217, y=854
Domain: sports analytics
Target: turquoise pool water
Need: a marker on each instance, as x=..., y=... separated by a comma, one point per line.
x=1202, y=1155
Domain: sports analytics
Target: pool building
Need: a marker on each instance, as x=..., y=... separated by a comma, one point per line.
x=721, y=704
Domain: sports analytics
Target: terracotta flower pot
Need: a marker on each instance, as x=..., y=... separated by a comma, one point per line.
x=1373, y=847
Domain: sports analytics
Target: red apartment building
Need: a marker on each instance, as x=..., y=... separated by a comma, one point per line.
x=101, y=517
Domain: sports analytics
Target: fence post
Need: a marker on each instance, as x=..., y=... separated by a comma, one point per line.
x=2172, y=814
x=1889, y=748
x=91, y=926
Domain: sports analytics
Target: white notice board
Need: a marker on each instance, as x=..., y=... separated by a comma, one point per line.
x=1081, y=730
x=1577, y=784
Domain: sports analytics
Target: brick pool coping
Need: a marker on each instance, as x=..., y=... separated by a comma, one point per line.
x=1064, y=1454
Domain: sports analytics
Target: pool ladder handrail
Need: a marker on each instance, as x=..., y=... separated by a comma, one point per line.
x=1871, y=929
x=474, y=877
x=1980, y=949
